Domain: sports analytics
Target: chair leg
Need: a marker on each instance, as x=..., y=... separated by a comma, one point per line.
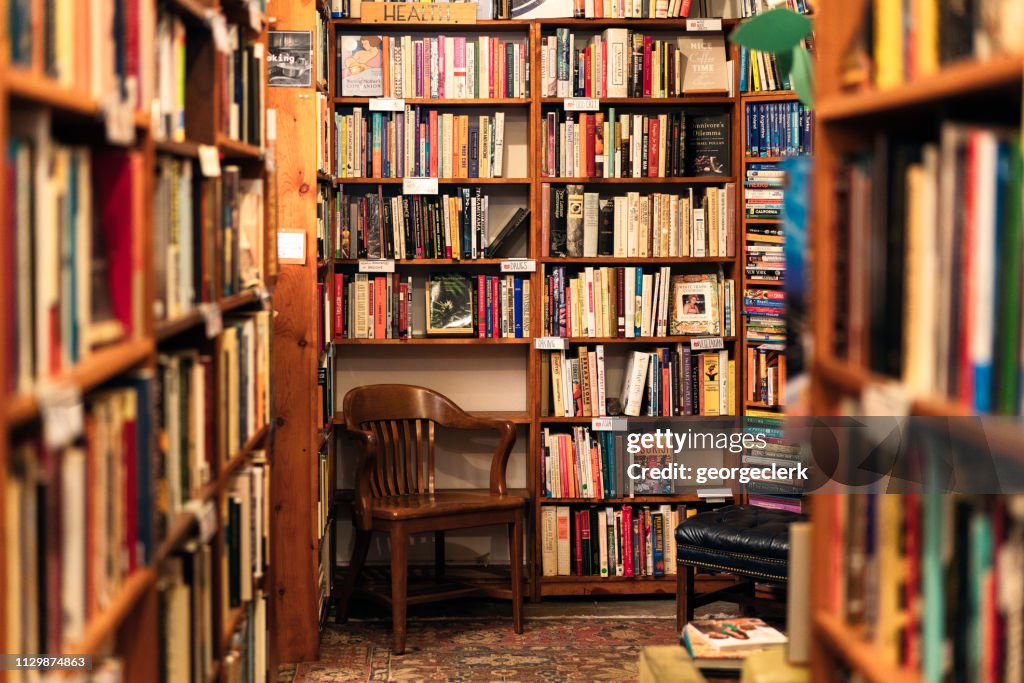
x=515, y=547
x=399, y=585
x=438, y=555
x=684, y=595
x=355, y=567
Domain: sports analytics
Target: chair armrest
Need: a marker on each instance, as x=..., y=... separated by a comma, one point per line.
x=506, y=439
x=363, y=475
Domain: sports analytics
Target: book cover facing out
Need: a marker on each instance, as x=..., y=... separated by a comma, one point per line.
x=361, y=66
x=707, y=145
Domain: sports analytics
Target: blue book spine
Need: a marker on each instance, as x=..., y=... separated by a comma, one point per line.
x=753, y=130
x=744, y=68
x=762, y=124
x=517, y=289
x=612, y=468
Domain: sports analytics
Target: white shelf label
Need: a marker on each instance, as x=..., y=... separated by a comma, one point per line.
x=519, y=265
x=387, y=104
x=609, y=424
x=209, y=161
x=707, y=343
x=419, y=186
x=291, y=246
x=219, y=31
x=205, y=513
x=120, y=122
x=60, y=406
x=551, y=343
x=582, y=104
x=703, y=24
x=213, y=318
x=373, y=265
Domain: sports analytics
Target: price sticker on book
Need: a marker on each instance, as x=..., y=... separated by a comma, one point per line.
x=703, y=24
x=387, y=104
x=209, y=161
x=519, y=265
x=60, y=406
x=707, y=343
x=419, y=186
x=582, y=104
x=609, y=424
x=213, y=318
x=376, y=265
x=551, y=343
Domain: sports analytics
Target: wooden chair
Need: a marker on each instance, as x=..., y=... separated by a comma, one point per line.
x=395, y=425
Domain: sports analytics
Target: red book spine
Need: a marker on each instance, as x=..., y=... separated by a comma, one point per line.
x=481, y=306
x=653, y=148
x=684, y=8
x=578, y=540
x=590, y=145
x=641, y=525
x=647, y=66
x=496, y=311
x=339, y=305
x=584, y=519
x=433, y=143
x=588, y=74
x=604, y=64
x=627, y=540
x=620, y=301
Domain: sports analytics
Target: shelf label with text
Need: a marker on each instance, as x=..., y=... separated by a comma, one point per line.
x=703, y=24
x=582, y=104
x=707, y=343
x=291, y=246
x=213, y=318
x=119, y=120
x=209, y=161
x=551, y=343
x=419, y=186
x=609, y=424
x=519, y=265
x=61, y=410
x=387, y=104
x=375, y=265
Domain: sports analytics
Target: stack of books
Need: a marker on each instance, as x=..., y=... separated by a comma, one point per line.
x=765, y=313
x=779, y=129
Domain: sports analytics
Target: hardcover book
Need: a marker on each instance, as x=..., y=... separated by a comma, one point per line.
x=361, y=66
x=707, y=145
x=695, y=305
x=704, y=63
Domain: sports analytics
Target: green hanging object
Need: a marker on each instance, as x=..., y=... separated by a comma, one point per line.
x=801, y=75
x=776, y=31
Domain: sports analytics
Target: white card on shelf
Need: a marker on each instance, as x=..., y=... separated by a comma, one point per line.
x=219, y=31
x=119, y=120
x=519, y=265
x=213, y=318
x=387, y=104
x=419, y=186
x=209, y=161
x=551, y=343
x=205, y=513
x=291, y=246
x=707, y=343
x=703, y=24
x=61, y=409
x=582, y=104
x=376, y=265
x=609, y=424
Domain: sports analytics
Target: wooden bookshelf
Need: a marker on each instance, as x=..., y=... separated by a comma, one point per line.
x=128, y=624
x=849, y=118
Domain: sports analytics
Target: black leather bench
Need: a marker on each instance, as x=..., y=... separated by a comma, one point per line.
x=743, y=540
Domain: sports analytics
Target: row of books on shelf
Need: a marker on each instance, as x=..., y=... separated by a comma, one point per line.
x=446, y=226
x=436, y=67
x=764, y=311
x=323, y=492
x=779, y=129
x=765, y=261
x=594, y=464
x=928, y=259
x=617, y=145
x=626, y=302
x=764, y=190
x=750, y=8
x=759, y=72
x=325, y=373
x=209, y=235
x=418, y=142
x=698, y=222
x=325, y=113
x=629, y=9
x=933, y=580
x=75, y=243
x=664, y=382
x=766, y=374
x=195, y=388
x=328, y=233
x=383, y=307
x=619, y=62
x=914, y=44
x=321, y=50
x=242, y=70
x=629, y=541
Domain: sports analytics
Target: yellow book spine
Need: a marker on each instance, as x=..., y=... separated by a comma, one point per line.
x=888, y=47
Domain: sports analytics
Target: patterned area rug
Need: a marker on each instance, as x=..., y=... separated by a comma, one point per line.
x=486, y=651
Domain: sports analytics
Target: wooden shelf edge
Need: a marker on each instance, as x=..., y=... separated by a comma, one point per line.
x=165, y=329
x=235, y=150
x=229, y=467
x=440, y=181
x=100, y=366
x=861, y=655
x=956, y=80
x=853, y=379
x=428, y=262
x=447, y=102
x=181, y=148
x=781, y=95
x=708, y=98
x=440, y=341
x=680, y=180
x=666, y=499
x=579, y=419
x=636, y=260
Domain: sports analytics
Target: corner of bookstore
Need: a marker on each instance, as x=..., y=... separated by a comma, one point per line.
x=668, y=341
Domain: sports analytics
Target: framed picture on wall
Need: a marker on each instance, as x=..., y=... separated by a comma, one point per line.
x=449, y=304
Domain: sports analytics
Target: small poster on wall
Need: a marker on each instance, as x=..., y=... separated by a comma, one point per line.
x=290, y=59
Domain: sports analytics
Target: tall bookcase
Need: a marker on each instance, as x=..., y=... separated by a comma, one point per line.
x=134, y=616
x=532, y=419
x=985, y=91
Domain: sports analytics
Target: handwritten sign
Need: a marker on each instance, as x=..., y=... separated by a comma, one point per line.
x=551, y=343
x=419, y=185
x=60, y=406
x=209, y=161
x=418, y=13
x=703, y=24
x=387, y=104
x=383, y=265
x=608, y=424
x=291, y=246
x=707, y=343
x=519, y=265
x=582, y=104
